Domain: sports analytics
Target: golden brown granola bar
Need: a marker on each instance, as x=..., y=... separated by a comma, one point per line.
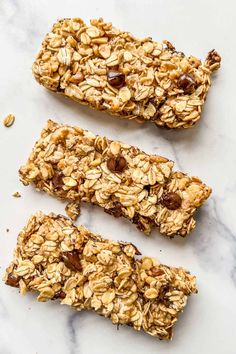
x=75, y=165
x=85, y=271
x=112, y=71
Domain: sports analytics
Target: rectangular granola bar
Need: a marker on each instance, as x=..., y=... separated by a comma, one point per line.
x=110, y=70
x=85, y=271
x=75, y=165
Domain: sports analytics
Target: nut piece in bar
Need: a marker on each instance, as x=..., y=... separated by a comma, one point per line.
x=110, y=70
x=61, y=261
x=75, y=165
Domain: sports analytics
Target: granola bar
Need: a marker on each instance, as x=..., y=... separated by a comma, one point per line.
x=75, y=165
x=83, y=270
x=110, y=70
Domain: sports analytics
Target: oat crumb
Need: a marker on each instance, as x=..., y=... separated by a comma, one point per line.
x=9, y=120
x=16, y=195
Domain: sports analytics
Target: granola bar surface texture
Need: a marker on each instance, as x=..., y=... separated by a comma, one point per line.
x=112, y=71
x=75, y=165
x=85, y=271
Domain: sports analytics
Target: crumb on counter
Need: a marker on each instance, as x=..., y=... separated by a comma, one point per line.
x=9, y=120
x=16, y=195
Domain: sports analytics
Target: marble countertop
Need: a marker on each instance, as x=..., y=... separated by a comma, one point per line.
x=208, y=150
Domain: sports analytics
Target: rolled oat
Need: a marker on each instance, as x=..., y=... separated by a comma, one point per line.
x=75, y=165
x=110, y=70
x=87, y=272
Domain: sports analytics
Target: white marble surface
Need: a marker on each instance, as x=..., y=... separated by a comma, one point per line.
x=208, y=150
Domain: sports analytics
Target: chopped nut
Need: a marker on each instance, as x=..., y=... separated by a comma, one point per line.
x=157, y=271
x=77, y=78
x=9, y=120
x=12, y=280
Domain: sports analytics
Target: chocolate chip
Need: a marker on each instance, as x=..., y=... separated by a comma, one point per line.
x=171, y=201
x=115, y=78
x=186, y=83
x=59, y=295
x=147, y=187
x=62, y=295
x=116, y=210
x=72, y=260
x=57, y=180
x=116, y=164
x=136, y=220
x=12, y=281
x=162, y=295
x=156, y=116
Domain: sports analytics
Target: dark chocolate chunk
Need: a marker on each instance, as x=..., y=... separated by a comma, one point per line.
x=186, y=83
x=57, y=180
x=12, y=281
x=116, y=164
x=115, y=78
x=171, y=201
x=59, y=295
x=116, y=210
x=72, y=260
